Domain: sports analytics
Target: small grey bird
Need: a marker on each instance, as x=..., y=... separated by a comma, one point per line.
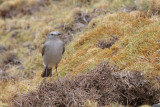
x=52, y=53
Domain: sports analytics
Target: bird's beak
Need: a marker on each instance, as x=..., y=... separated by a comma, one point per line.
x=60, y=33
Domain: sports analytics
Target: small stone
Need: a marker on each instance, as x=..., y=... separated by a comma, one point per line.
x=158, y=78
x=29, y=45
x=2, y=49
x=20, y=67
x=26, y=44
x=14, y=34
x=78, y=26
x=158, y=50
x=0, y=71
x=3, y=73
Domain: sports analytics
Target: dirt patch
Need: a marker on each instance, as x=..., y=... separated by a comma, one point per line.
x=79, y=22
x=106, y=43
x=8, y=59
x=2, y=49
x=101, y=84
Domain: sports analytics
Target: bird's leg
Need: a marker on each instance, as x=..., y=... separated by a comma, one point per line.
x=46, y=69
x=57, y=72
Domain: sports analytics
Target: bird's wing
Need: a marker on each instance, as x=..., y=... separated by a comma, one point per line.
x=43, y=50
x=63, y=50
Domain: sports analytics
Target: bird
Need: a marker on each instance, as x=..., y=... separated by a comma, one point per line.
x=52, y=52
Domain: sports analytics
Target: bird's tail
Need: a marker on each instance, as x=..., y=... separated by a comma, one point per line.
x=47, y=72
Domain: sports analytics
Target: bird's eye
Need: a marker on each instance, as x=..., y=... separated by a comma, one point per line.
x=51, y=34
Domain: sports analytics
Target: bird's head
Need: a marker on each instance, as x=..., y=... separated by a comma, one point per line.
x=53, y=35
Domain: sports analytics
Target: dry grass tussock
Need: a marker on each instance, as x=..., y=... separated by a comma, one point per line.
x=8, y=58
x=100, y=85
x=133, y=32
x=154, y=7
x=75, y=22
x=10, y=8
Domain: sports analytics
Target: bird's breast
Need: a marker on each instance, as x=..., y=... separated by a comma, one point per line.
x=53, y=52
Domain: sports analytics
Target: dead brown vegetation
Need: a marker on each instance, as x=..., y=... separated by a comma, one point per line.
x=78, y=23
x=106, y=44
x=7, y=60
x=154, y=7
x=13, y=8
x=101, y=85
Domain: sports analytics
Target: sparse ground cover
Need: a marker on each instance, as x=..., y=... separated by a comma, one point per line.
x=124, y=31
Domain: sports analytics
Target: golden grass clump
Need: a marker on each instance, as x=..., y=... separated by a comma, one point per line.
x=102, y=7
x=10, y=89
x=76, y=20
x=13, y=7
x=133, y=42
x=142, y=4
x=73, y=14
x=140, y=48
x=116, y=4
x=154, y=7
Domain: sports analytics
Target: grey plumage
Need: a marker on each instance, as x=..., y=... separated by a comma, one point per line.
x=52, y=53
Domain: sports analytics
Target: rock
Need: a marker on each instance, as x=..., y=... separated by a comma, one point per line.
x=11, y=59
x=79, y=5
x=20, y=67
x=4, y=76
x=3, y=73
x=2, y=49
x=14, y=34
x=29, y=45
x=26, y=44
x=77, y=26
x=127, y=9
x=16, y=61
x=156, y=105
x=158, y=50
x=0, y=71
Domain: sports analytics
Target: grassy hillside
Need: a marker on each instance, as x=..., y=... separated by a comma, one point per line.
x=124, y=31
